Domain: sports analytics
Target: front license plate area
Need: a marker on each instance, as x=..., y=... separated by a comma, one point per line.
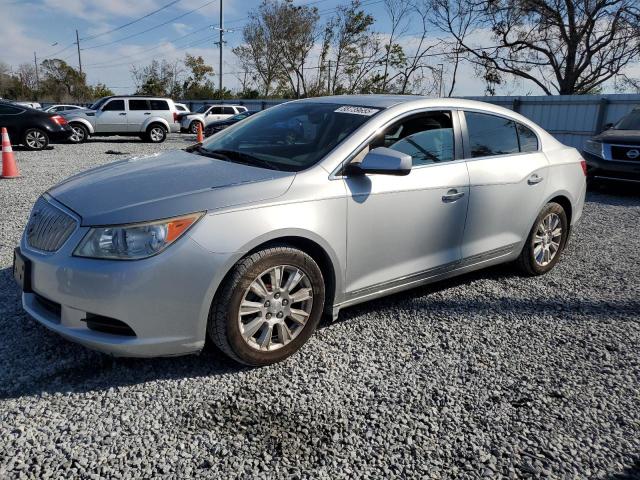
x=22, y=271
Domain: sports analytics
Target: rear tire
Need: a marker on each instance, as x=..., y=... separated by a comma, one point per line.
x=156, y=133
x=80, y=133
x=35, y=139
x=546, y=241
x=279, y=311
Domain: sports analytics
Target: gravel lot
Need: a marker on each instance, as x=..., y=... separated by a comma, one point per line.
x=489, y=375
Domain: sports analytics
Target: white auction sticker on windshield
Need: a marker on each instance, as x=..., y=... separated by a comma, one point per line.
x=357, y=110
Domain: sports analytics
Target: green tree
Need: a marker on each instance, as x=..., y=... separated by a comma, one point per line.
x=198, y=82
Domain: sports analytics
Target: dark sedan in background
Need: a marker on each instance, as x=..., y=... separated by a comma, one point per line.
x=615, y=153
x=33, y=128
x=215, y=127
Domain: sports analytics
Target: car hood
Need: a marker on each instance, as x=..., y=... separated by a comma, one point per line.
x=78, y=112
x=619, y=136
x=164, y=185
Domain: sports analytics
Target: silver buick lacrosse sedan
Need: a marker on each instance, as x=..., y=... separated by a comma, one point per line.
x=297, y=211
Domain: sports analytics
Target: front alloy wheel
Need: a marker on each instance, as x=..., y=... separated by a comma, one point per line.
x=268, y=306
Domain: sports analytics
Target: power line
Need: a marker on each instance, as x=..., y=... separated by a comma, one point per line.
x=152, y=28
x=91, y=37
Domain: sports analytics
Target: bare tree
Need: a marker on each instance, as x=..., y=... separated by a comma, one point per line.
x=562, y=46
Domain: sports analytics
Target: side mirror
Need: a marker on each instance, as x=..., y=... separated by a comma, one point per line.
x=607, y=126
x=383, y=161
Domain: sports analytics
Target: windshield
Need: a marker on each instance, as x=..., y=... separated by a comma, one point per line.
x=99, y=103
x=203, y=109
x=629, y=122
x=290, y=137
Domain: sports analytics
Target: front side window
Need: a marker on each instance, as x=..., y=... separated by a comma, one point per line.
x=114, y=106
x=138, y=105
x=215, y=111
x=491, y=135
x=289, y=137
x=427, y=137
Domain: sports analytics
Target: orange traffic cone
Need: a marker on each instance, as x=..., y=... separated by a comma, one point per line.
x=200, y=136
x=9, y=167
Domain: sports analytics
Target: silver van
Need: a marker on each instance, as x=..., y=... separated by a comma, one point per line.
x=149, y=118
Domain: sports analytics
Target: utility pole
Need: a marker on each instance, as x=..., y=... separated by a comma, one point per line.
x=221, y=43
x=35, y=62
x=441, y=79
x=329, y=79
x=79, y=57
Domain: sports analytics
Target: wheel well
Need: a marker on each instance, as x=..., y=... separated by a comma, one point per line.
x=156, y=124
x=565, y=203
x=316, y=252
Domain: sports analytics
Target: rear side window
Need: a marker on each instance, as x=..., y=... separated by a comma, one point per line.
x=491, y=135
x=114, y=106
x=138, y=105
x=228, y=111
x=159, y=105
x=528, y=139
x=9, y=110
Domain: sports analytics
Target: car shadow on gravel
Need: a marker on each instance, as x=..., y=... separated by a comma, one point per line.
x=630, y=473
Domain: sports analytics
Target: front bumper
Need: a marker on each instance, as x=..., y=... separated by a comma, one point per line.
x=600, y=168
x=163, y=299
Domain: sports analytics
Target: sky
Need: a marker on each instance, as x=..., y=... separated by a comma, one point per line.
x=109, y=46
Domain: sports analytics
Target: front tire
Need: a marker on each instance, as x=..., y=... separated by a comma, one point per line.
x=193, y=126
x=80, y=133
x=545, y=242
x=268, y=307
x=35, y=139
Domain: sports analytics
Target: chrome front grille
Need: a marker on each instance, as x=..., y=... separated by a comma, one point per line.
x=48, y=227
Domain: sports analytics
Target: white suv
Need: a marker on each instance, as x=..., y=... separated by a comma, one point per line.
x=149, y=118
x=206, y=114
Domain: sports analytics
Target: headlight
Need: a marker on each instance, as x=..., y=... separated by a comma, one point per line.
x=134, y=241
x=595, y=148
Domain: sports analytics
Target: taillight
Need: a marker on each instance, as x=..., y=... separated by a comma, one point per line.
x=60, y=120
x=175, y=117
x=583, y=163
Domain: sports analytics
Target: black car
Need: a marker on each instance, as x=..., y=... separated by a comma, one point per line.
x=227, y=122
x=33, y=128
x=615, y=153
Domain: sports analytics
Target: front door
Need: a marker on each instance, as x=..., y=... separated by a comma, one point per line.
x=112, y=117
x=507, y=176
x=407, y=227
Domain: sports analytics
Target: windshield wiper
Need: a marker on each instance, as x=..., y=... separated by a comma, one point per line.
x=244, y=158
x=199, y=149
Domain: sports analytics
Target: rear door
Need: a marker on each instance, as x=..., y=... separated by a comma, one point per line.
x=139, y=112
x=12, y=118
x=112, y=117
x=507, y=176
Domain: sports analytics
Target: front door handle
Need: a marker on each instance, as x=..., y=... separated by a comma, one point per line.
x=534, y=178
x=147, y=113
x=452, y=195
x=123, y=113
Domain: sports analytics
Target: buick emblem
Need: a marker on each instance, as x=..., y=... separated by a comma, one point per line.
x=633, y=154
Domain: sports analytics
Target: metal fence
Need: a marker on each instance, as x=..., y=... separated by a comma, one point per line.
x=572, y=119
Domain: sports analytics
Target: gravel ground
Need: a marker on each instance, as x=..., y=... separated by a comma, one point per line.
x=489, y=375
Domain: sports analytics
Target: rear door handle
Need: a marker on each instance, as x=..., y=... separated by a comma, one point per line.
x=123, y=113
x=534, y=178
x=147, y=113
x=452, y=195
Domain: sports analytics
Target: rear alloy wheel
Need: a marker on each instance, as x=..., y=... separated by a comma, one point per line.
x=35, y=139
x=546, y=240
x=156, y=134
x=80, y=133
x=269, y=306
x=193, y=126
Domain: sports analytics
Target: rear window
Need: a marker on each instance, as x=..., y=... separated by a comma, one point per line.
x=159, y=105
x=9, y=110
x=138, y=105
